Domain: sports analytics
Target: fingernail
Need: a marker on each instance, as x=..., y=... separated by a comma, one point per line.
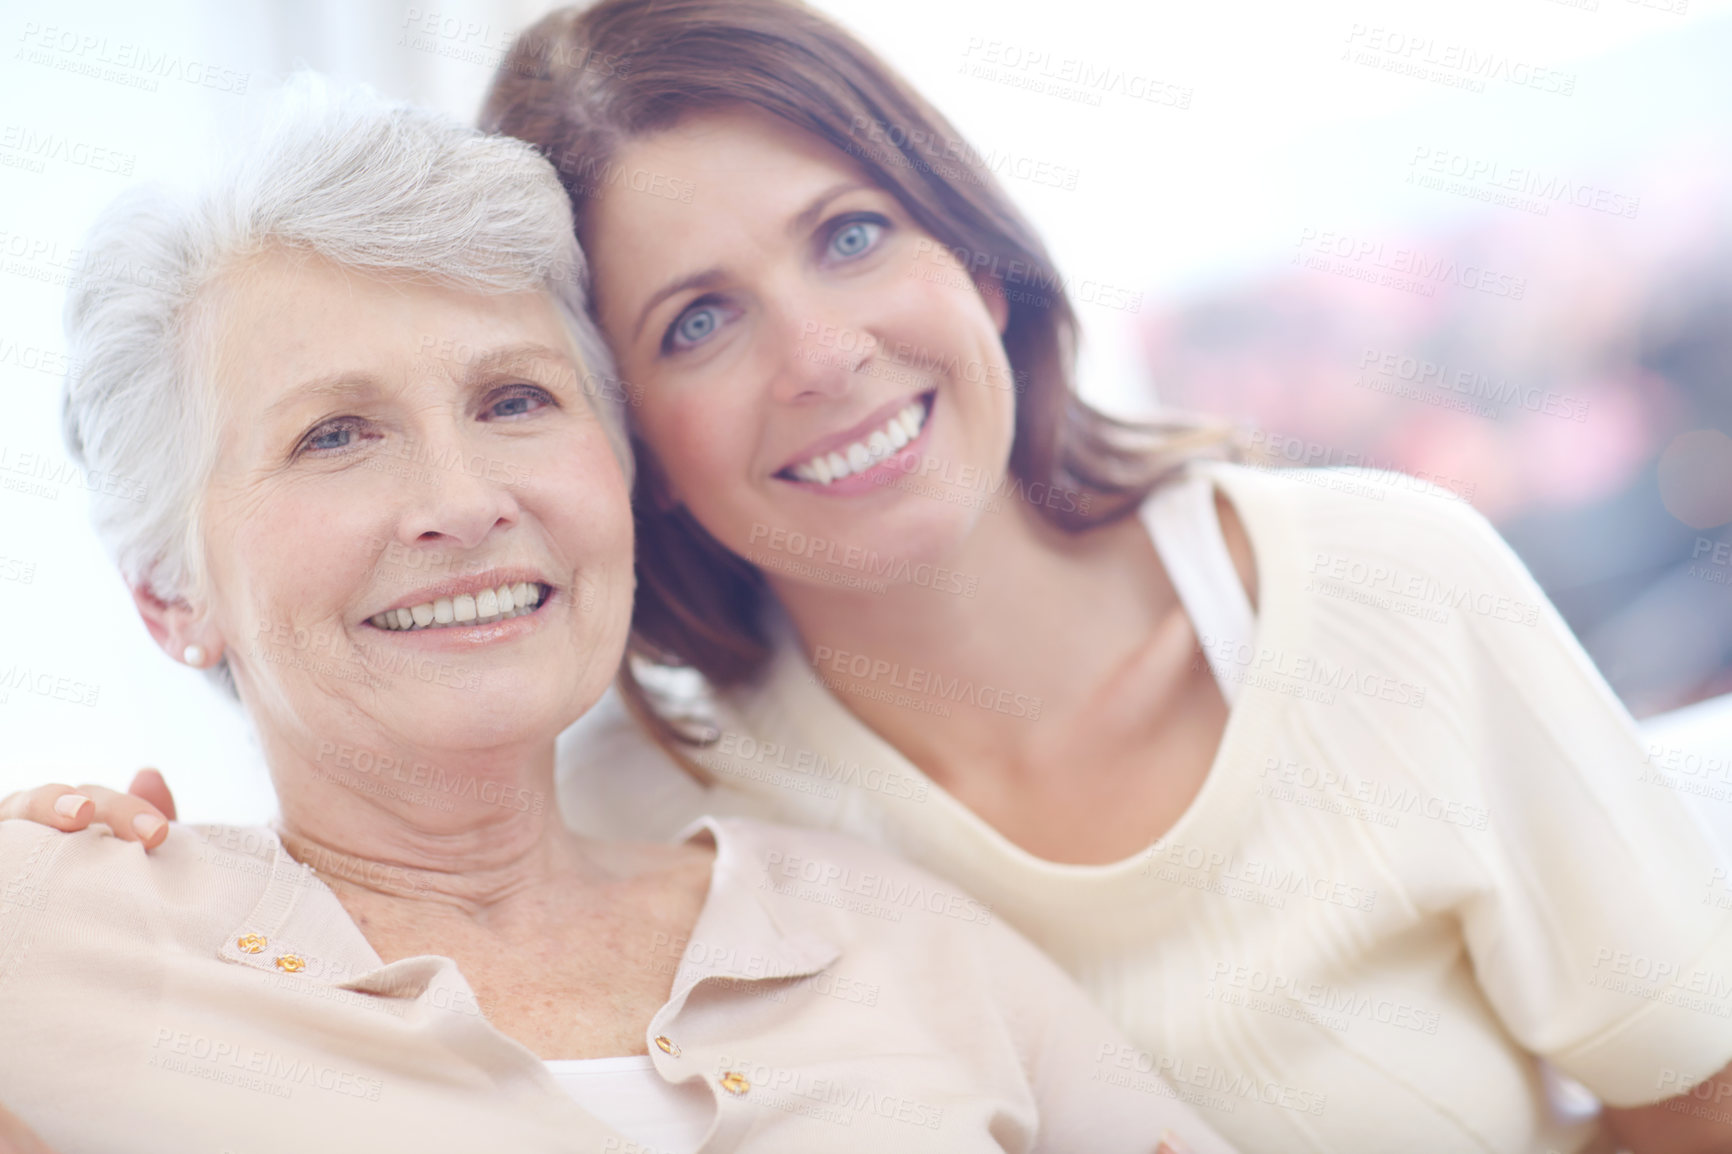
x=145, y=825
x=68, y=804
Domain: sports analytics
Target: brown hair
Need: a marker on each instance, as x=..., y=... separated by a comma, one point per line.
x=583, y=81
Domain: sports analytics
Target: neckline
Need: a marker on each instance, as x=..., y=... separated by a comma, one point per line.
x=281, y=916
x=730, y=899
x=792, y=702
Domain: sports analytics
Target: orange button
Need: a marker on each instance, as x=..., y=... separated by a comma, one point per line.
x=666, y=1045
x=291, y=964
x=735, y=1083
x=251, y=943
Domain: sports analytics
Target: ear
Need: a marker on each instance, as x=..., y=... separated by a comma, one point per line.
x=176, y=625
x=997, y=306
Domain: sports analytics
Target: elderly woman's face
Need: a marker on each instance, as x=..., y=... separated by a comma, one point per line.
x=395, y=461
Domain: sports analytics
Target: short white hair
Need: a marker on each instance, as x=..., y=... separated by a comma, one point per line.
x=340, y=173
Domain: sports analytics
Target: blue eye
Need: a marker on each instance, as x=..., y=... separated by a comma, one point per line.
x=694, y=326
x=517, y=404
x=328, y=437
x=854, y=238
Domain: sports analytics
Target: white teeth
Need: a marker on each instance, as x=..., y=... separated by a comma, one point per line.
x=879, y=444
x=478, y=608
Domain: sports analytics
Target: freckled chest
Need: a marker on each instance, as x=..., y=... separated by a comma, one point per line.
x=579, y=978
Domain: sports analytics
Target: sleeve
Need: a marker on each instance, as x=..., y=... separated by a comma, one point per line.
x=1093, y=1089
x=1598, y=938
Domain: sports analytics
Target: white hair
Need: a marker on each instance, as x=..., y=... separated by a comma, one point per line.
x=342, y=174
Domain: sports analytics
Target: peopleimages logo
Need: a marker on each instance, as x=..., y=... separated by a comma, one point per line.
x=1222, y=1084
x=1429, y=374
x=1455, y=64
x=42, y=475
x=1384, y=577
x=741, y=755
x=1334, y=1004
x=955, y=159
x=122, y=62
x=1023, y=282
x=1309, y=675
x=41, y=683
x=37, y=148
x=897, y=893
x=1404, y=268
x=868, y=562
x=926, y=682
x=1527, y=187
x=1067, y=77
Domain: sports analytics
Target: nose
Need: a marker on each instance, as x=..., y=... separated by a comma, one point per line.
x=820, y=353
x=458, y=495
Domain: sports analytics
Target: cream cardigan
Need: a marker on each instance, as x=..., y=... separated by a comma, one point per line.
x=1428, y=849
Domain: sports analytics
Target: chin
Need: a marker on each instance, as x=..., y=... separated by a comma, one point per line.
x=917, y=529
x=500, y=706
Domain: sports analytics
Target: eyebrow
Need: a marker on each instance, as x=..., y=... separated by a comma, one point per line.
x=809, y=215
x=509, y=357
x=347, y=383
x=799, y=223
x=696, y=280
x=339, y=384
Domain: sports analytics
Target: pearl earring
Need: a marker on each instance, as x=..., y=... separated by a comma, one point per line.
x=194, y=656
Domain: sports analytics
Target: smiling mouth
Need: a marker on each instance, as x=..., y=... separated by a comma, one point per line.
x=483, y=607
x=876, y=446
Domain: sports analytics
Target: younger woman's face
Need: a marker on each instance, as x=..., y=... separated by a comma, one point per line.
x=820, y=382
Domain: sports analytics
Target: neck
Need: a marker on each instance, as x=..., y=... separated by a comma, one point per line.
x=466, y=830
x=1052, y=614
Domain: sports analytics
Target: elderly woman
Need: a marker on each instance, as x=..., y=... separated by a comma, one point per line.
x=354, y=382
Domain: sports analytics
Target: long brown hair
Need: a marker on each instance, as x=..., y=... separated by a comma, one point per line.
x=584, y=81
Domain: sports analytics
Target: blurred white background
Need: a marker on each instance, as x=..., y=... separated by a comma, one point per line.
x=1284, y=132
